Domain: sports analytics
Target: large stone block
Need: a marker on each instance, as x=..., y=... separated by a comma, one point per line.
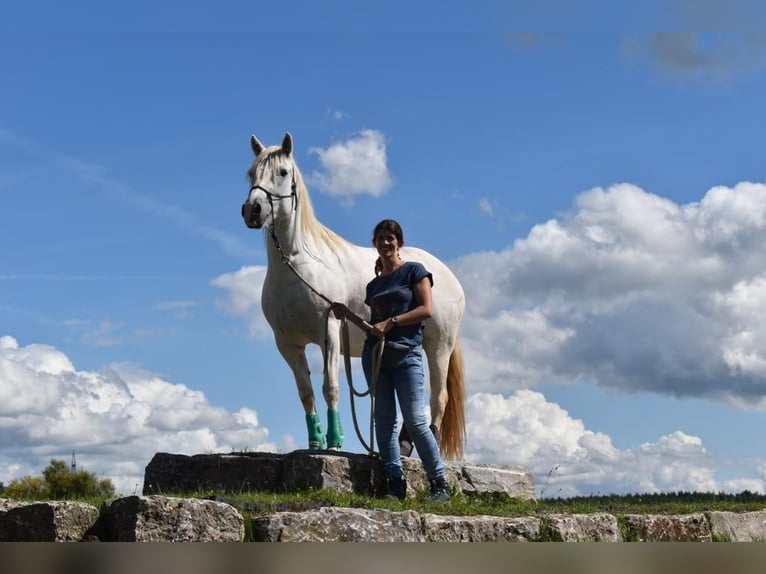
x=509, y=481
x=339, y=525
x=669, y=528
x=303, y=469
x=597, y=527
x=438, y=528
x=165, y=519
x=241, y=472
x=56, y=521
x=738, y=526
x=338, y=471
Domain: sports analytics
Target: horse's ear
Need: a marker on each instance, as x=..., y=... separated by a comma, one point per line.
x=287, y=144
x=256, y=145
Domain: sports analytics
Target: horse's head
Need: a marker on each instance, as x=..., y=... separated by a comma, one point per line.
x=273, y=181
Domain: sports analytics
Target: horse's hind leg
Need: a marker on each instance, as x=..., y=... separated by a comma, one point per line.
x=295, y=356
x=438, y=366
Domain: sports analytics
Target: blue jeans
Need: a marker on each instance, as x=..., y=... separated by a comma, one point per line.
x=401, y=376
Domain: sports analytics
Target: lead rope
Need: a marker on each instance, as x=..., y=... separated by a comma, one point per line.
x=377, y=352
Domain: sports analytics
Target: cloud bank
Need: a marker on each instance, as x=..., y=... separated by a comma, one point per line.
x=115, y=419
x=631, y=291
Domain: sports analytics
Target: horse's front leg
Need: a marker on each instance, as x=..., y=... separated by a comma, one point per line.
x=295, y=357
x=330, y=387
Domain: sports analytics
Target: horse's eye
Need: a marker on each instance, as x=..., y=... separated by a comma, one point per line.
x=283, y=172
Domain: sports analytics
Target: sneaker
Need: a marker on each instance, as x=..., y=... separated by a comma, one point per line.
x=440, y=491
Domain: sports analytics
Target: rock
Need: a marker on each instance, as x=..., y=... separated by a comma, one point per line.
x=339, y=471
x=669, y=528
x=57, y=521
x=7, y=504
x=165, y=519
x=365, y=525
x=338, y=525
x=738, y=526
x=597, y=527
x=509, y=481
x=243, y=472
x=300, y=470
x=437, y=528
x=219, y=517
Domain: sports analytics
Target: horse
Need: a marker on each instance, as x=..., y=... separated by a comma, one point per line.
x=324, y=267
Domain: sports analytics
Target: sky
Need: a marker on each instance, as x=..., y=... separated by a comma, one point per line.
x=600, y=196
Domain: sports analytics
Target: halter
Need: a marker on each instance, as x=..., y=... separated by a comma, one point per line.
x=272, y=196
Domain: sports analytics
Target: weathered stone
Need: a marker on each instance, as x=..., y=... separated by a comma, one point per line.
x=338, y=525
x=7, y=504
x=339, y=471
x=164, y=519
x=738, y=526
x=510, y=481
x=56, y=521
x=669, y=528
x=304, y=469
x=583, y=528
x=437, y=528
x=242, y=472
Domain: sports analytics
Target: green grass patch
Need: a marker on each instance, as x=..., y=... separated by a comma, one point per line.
x=260, y=503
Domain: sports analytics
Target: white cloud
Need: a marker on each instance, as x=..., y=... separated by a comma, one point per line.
x=566, y=459
x=104, y=334
x=357, y=166
x=181, y=309
x=629, y=290
x=115, y=419
x=336, y=114
x=485, y=207
x=244, y=297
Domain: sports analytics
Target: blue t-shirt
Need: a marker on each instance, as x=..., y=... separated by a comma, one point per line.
x=389, y=295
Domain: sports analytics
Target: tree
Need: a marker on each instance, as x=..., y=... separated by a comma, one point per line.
x=58, y=482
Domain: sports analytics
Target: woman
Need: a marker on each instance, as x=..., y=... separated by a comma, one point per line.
x=400, y=301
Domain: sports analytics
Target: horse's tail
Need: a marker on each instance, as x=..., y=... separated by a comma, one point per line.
x=453, y=423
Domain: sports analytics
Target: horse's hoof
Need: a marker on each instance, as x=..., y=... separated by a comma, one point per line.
x=334, y=448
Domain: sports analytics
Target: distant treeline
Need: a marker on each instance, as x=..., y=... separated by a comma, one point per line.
x=662, y=499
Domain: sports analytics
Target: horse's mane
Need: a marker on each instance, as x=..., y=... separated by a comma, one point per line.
x=313, y=231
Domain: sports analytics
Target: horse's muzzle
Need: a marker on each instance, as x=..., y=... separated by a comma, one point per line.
x=251, y=214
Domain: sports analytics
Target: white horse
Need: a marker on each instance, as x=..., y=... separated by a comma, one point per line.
x=323, y=266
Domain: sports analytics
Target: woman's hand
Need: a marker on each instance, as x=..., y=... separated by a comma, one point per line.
x=339, y=310
x=380, y=329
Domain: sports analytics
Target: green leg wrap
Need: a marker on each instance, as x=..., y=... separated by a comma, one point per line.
x=316, y=436
x=334, y=429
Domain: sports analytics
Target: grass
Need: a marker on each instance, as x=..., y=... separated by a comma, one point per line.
x=259, y=503
x=472, y=505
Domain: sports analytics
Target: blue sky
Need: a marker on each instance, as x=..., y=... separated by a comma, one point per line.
x=600, y=196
